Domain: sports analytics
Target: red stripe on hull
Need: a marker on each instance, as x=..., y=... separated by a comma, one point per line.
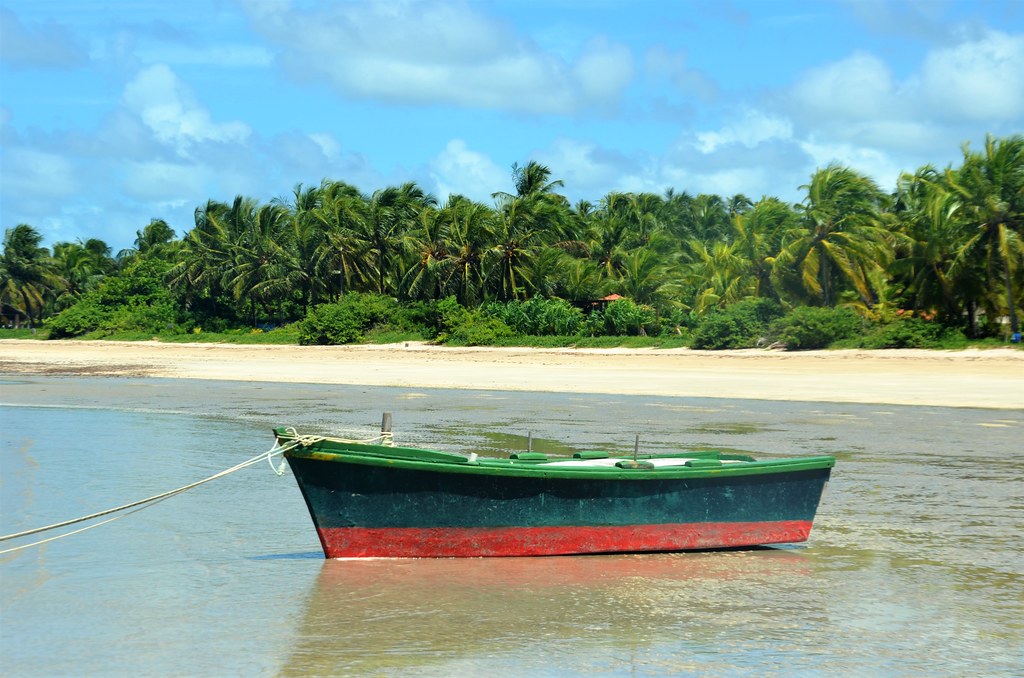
x=473, y=542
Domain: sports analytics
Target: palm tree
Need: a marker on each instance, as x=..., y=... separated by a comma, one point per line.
x=470, y=229
x=265, y=272
x=739, y=204
x=705, y=217
x=645, y=214
x=206, y=262
x=81, y=265
x=675, y=214
x=717, y=273
x=758, y=234
x=518, y=236
x=843, y=236
x=425, y=249
x=932, y=229
x=644, y=277
x=306, y=238
x=577, y=224
x=154, y=240
x=609, y=237
x=547, y=271
x=990, y=186
x=641, y=216
x=26, y=274
x=534, y=179
x=529, y=219
x=391, y=212
x=581, y=281
x=343, y=254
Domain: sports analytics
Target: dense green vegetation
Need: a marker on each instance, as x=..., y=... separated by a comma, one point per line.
x=935, y=263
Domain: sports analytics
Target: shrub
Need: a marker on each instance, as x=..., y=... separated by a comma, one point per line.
x=467, y=327
x=719, y=331
x=82, y=318
x=135, y=301
x=329, y=324
x=414, y=316
x=759, y=312
x=477, y=329
x=808, y=327
x=678, y=323
x=447, y=314
x=538, y=316
x=140, y=317
x=345, y=322
x=738, y=326
x=914, y=333
x=624, y=317
x=595, y=324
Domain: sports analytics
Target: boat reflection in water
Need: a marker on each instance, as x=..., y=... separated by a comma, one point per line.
x=370, y=616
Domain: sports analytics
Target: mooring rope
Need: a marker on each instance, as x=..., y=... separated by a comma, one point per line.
x=384, y=437
x=155, y=499
x=81, y=529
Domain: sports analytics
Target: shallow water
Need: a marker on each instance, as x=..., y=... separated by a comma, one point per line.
x=914, y=566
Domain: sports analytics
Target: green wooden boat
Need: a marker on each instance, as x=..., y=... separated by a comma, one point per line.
x=382, y=500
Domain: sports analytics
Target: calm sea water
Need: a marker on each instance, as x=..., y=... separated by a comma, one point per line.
x=915, y=565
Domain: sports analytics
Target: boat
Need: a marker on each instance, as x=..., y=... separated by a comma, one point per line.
x=380, y=500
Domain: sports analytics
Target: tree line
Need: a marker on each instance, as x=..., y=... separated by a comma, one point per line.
x=945, y=245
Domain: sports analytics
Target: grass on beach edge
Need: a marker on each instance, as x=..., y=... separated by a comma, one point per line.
x=289, y=336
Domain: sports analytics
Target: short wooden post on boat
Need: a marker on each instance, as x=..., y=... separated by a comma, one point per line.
x=385, y=427
x=529, y=441
x=636, y=447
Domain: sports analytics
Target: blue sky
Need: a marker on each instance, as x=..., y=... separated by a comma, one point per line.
x=113, y=113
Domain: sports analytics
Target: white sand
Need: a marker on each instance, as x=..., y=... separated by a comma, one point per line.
x=971, y=378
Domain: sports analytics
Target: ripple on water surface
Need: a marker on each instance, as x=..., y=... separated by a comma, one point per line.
x=913, y=567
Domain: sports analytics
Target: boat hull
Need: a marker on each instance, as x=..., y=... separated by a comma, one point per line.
x=381, y=511
x=476, y=542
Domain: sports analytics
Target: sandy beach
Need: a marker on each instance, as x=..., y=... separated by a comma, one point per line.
x=991, y=378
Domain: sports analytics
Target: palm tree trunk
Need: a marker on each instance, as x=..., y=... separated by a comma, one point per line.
x=825, y=274
x=1011, y=307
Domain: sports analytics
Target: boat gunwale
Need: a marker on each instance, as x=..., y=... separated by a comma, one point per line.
x=449, y=462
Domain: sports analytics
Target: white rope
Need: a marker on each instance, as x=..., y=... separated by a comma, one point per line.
x=385, y=438
x=81, y=529
x=150, y=501
x=296, y=441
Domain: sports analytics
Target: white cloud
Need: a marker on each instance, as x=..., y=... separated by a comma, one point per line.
x=855, y=112
x=30, y=173
x=875, y=163
x=459, y=170
x=858, y=87
x=673, y=66
x=603, y=70
x=750, y=181
x=589, y=170
x=225, y=55
x=753, y=128
x=169, y=109
x=974, y=81
x=755, y=153
x=165, y=182
x=295, y=157
x=980, y=80
x=327, y=143
x=438, y=53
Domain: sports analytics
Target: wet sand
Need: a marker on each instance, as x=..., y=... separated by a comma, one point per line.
x=992, y=378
